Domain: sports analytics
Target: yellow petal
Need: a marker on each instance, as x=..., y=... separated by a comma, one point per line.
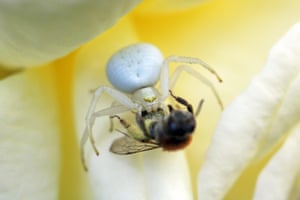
x=150, y=7
x=29, y=137
x=35, y=32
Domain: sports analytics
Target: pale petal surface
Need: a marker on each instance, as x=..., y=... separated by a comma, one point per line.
x=34, y=32
x=247, y=122
x=277, y=180
x=167, y=175
x=29, y=137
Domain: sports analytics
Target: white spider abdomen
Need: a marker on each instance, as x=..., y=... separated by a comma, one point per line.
x=134, y=67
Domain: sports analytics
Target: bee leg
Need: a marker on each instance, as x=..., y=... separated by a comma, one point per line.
x=182, y=101
x=141, y=123
x=123, y=122
x=111, y=124
x=199, y=107
x=132, y=130
x=170, y=107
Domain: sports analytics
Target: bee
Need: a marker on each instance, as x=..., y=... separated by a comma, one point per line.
x=133, y=72
x=170, y=131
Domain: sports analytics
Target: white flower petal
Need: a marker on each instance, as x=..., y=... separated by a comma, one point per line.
x=34, y=32
x=288, y=116
x=29, y=137
x=277, y=179
x=246, y=122
x=167, y=176
x=116, y=177
x=151, y=175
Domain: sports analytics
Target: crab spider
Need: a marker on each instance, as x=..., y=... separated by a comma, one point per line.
x=134, y=71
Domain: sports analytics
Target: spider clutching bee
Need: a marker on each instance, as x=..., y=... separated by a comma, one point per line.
x=171, y=131
x=134, y=72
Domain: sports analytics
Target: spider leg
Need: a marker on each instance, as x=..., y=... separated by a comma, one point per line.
x=164, y=76
x=125, y=104
x=197, y=75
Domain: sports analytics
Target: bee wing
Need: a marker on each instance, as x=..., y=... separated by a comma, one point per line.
x=127, y=145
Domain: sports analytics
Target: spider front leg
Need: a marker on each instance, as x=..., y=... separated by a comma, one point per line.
x=86, y=134
x=197, y=75
x=167, y=84
x=125, y=104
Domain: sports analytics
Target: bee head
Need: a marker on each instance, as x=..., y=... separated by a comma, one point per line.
x=180, y=124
